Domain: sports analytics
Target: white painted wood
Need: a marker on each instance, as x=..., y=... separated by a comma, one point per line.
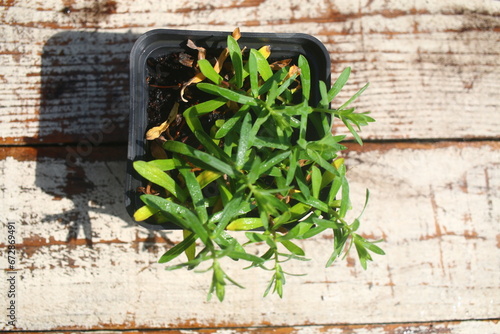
x=436, y=206
x=428, y=63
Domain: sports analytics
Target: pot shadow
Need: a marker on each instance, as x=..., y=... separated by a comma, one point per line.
x=84, y=117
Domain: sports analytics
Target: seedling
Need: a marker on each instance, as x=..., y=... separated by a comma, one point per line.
x=268, y=165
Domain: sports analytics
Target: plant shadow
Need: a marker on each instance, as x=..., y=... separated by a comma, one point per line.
x=84, y=118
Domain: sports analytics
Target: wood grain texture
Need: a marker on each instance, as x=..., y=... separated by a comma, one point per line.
x=435, y=198
x=64, y=64
x=463, y=327
x=85, y=265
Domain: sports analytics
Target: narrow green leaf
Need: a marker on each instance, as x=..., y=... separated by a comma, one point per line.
x=182, y=215
x=292, y=167
x=236, y=59
x=194, y=190
x=269, y=142
x=324, y=95
x=354, y=97
x=159, y=177
x=178, y=249
x=257, y=237
x=253, y=69
x=211, y=147
x=262, y=65
x=293, y=248
x=246, y=257
x=339, y=84
x=227, y=93
x=230, y=211
x=305, y=77
x=277, y=77
x=206, y=159
x=345, y=202
x=144, y=213
x=315, y=181
x=273, y=161
x=244, y=224
x=245, y=138
x=190, y=251
x=206, y=177
x=208, y=71
x=192, y=113
x=163, y=164
x=231, y=123
x=352, y=130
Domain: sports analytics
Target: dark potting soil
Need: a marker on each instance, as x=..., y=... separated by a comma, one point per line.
x=166, y=76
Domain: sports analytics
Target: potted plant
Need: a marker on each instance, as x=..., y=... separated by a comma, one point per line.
x=232, y=133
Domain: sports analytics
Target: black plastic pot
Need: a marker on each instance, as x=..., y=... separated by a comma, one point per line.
x=161, y=42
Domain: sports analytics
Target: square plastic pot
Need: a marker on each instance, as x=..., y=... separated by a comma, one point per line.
x=162, y=42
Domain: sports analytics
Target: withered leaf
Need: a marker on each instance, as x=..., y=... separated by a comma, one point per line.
x=156, y=131
x=280, y=64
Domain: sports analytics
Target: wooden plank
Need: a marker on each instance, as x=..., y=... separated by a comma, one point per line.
x=83, y=264
x=434, y=69
x=448, y=327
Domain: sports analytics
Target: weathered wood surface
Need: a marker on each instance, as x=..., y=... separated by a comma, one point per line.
x=83, y=264
x=64, y=64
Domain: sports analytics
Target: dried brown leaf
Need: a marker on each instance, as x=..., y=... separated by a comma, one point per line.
x=236, y=34
x=156, y=131
x=280, y=64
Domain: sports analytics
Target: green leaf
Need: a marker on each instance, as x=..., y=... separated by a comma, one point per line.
x=209, y=72
x=273, y=161
x=144, y=213
x=243, y=143
x=231, y=210
x=178, y=249
x=339, y=84
x=191, y=250
x=206, y=159
x=227, y=93
x=244, y=224
x=211, y=147
x=159, y=177
x=262, y=65
x=293, y=248
x=273, y=81
x=345, y=201
x=316, y=157
x=305, y=77
x=354, y=97
x=231, y=123
x=327, y=147
x=192, y=113
x=257, y=237
x=182, y=215
x=324, y=95
x=246, y=257
x=253, y=69
x=311, y=201
x=315, y=181
x=236, y=59
x=352, y=130
x=194, y=190
x=206, y=177
x=163, y=164
x=292, y=166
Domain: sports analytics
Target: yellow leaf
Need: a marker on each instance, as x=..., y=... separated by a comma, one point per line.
x=156, y=131
x=265, y=51
x=144, y=213
x=244, y=224
x=339, y=162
